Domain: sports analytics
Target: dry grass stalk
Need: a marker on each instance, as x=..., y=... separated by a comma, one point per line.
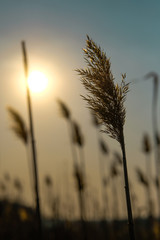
x=143, y=179
x=78, y=139
x=80, y=183
x=114, y=173
x=106, y=99
x=49, y=196
x=65, y=112
x=146, y=146
x=20, y=129
x=103, y=149
x=33, y=145
x=75, y=138
x=79, y=179
x=155, y=77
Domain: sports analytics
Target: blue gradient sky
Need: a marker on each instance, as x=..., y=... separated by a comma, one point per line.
x=55, y=33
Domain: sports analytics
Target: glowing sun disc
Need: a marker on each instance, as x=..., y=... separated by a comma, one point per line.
x=37, y=81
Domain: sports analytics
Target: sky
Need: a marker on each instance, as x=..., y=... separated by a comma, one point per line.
x=55, y=34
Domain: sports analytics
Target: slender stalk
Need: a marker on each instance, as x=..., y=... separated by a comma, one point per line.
x=34, y=156
x=149, y=175
x=75, y=137
x=114, y=175
x=157, y=154
x=128, y=201
x=102, y=174
x=81, y=202
x=81, y=205
x=155, y=130
x=101, y=171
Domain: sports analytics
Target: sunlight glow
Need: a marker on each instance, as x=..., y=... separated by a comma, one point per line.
x=37, y=81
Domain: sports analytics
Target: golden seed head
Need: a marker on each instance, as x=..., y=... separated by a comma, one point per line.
x=106, y=99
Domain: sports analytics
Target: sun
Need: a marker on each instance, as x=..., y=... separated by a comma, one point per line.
x=37, y=81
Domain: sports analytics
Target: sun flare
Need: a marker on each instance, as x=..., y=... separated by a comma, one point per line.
x=37, y=81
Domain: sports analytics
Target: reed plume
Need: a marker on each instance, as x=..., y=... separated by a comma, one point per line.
x=64, y=109
x=141, y=177
x=106, y=99
x=20, y=129
x=19, y=125
x=48, y=181
x=78, y=139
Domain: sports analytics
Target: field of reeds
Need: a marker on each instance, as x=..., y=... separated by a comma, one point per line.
x=115, y=211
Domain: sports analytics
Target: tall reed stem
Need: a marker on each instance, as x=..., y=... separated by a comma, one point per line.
x=128, y=200
x=149, y=194
x=34, y=156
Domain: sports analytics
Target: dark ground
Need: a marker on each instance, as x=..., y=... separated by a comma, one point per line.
x=18, y=222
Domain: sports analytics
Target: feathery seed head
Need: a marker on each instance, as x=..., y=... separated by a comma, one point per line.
x=77, y=135
x=19, y=126
x=141, y=177
x=64, y=109
x=146, y=144
x=48, y=180
x=106, y=99
x=103, y=147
